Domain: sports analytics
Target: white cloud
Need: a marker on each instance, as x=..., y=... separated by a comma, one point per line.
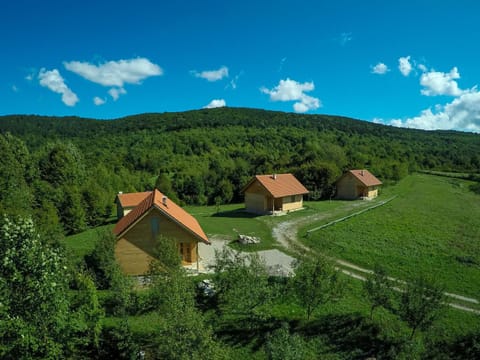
x=54, y=81
x=215, y=103
x=98, y=101
x=212, y=75
x=440, y=83
x=463, y=113
x=380, y=69
x=291, y=90
x=115, y=73
x=15, y=88
x=234, y=81
x=404, y=65
x=116, y=92
x=422, y=68
x=345, y=38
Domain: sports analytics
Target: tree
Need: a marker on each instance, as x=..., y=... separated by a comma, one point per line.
x=164, y=184
x=421, y=304
x=183, y=333
x=167, y=256
x=62, y=164
x=282, y=345
x=72, y=212
x=33, y=280
x=15, y=161
x=85, y=317
x=315, y=282
x=378, y=289
x=101, y=261
x=241, y=282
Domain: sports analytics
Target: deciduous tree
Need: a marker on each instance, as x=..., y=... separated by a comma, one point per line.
x=315, y=282
x=421, y=304
x=378, y=289
x=33, y=280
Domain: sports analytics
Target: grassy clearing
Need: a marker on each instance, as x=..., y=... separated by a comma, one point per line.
x=432, y=227
x=228, y=221
x=83, y=243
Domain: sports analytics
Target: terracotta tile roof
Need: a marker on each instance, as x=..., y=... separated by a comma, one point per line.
x=132, y=199
x=169, y=209
x=279, y=185
x=365, y=177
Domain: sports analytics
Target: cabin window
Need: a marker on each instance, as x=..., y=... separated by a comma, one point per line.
x=155, y=226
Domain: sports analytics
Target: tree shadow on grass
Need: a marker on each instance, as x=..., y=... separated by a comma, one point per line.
x=248, y=332
x=351, y=334
x=463, y=347
x=237, y=213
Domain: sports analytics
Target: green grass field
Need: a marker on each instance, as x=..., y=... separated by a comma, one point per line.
x=432, y=227
x=83, y=243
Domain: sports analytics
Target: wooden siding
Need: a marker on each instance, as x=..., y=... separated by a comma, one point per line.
x=135, y=250
x=291, y=203
x=372, y=192
x=256, y=199
x=349, y=188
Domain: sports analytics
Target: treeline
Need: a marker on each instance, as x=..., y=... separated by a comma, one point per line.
x=67, y=171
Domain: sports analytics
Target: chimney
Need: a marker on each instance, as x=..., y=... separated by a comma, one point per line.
x=274, y=176
x=361, y=172
x=164, y=200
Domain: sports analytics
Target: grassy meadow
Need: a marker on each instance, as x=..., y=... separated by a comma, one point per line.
x=432, y=227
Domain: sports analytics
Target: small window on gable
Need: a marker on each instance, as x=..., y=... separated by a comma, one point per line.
x=155, y=226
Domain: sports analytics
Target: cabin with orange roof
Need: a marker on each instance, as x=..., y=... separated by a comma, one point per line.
x=357, y=184
x=271, y=194
x=139, y=230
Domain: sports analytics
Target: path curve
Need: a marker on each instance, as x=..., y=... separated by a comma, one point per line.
x=286, y=234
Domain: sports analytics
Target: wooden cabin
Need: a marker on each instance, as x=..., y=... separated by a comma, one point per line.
x=357, y=184
x=270, y=194
x=138, y=232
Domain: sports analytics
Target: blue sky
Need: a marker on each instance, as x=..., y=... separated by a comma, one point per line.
x=403, y=63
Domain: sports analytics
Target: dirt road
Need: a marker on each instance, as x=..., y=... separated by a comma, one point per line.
x=286, y=234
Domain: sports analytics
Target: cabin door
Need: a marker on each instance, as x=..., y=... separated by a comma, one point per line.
x=186, y=252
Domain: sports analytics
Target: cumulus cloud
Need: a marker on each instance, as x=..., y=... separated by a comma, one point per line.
x=116, y=92
x=215, y=103
x=380, y=69
x=291, y=90
x=212, y=75
x=440, y=83
x=115, y=73
x=463, y=113
x=404, y=65
x=52, y=80
x=98, y=101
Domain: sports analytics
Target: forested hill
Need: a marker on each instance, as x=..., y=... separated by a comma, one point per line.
x=72, y=126
x=202, y=157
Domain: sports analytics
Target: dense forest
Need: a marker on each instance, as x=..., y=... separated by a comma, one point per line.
x=66, y=171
